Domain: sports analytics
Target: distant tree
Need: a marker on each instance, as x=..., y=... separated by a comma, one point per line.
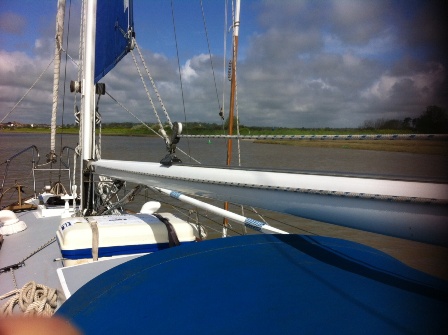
x=433, y=120
x=381, y=124
x=368, y=125
x=391, y=124
x=407, y=123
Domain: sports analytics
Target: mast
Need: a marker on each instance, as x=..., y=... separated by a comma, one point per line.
x=236, y=25
x=51, y=157
x=88, y=104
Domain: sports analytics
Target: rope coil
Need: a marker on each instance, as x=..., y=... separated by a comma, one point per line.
x=33, y=299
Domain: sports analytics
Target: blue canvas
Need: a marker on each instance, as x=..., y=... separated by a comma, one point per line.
x=113, y=18
x=262, y=284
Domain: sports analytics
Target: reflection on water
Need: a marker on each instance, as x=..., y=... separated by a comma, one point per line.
x=213, y=152
x=431, y=259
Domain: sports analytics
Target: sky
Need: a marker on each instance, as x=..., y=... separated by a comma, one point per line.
x=301, y=63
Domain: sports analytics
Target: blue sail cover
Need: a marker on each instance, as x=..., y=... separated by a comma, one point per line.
x=114, y=19
x=262, y=284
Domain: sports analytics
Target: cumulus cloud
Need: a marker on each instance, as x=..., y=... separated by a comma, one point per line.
x=303, y=64
x=196, y=69
x=337, y=63
x=423, y=84
x=358, y=22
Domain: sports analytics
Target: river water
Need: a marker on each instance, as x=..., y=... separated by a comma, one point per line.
x=428, y=258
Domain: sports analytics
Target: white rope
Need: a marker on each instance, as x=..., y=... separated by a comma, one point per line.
x=95, y=239
x=32, y=298
x=75, y=155
x=23, y=97
x=56, y=72
x=147, y=91
x=154, y=86
x=98, y=146
x=162, y=130
x=143, y=123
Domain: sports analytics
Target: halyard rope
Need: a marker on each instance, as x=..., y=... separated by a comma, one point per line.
x=210, y=54
x=153, y=85
x=147, y=91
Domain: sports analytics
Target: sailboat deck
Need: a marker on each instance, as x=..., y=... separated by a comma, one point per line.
x=41, y=267
x=45, y=266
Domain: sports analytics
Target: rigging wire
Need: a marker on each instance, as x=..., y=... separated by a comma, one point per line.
x=210, y=55
x=77, y=115
x=179, y=208
x=180, y=73
x=147, y=126
x=64, y=89
x=135, y=116
x=26, y=93
x=253, y=210
x=222, y=113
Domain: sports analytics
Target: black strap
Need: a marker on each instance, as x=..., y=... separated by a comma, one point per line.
x=172, y=236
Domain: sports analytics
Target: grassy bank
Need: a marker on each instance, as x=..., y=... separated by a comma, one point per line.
x=140, y=130
x=75, y=131
x=411, y=146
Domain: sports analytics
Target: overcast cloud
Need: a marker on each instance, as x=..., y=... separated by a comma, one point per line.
x=301, y=64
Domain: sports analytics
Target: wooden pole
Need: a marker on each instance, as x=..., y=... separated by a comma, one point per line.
x=236, y=25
